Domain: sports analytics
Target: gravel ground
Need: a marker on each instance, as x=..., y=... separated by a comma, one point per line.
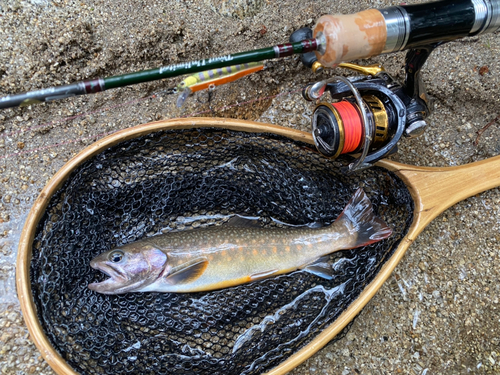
x=438, y=314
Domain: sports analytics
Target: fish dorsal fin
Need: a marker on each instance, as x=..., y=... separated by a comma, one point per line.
x=315, y=225
x=320, y=268
x=312, y=225
x=188, y=272
x=243, y=222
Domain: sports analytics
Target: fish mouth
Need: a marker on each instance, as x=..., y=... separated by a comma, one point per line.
x=111, y=285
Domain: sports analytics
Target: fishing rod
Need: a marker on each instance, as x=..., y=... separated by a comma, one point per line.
x=336, y=38
x=367, y=115
x=93, y=86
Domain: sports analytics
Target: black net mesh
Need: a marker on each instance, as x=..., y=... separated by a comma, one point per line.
x=177, y=180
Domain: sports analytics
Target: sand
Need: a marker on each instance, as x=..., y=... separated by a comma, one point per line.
x=438, y=314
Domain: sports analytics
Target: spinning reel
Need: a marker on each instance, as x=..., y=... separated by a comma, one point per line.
x=370, y=113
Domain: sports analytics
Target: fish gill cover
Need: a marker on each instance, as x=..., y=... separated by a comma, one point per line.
x=178, y=180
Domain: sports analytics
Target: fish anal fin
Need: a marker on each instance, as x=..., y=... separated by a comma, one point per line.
x=188, y=272
x=262, y=275
x=320, y=267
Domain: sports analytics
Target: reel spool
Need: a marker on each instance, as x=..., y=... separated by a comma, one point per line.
x=342, y=124
x=365, y=122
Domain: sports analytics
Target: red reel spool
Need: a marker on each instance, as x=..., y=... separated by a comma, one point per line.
x=353, y=125
x=343, y=124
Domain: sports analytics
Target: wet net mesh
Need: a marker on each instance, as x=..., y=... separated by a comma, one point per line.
x=180, y=180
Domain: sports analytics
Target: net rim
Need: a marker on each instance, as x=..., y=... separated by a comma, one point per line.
x=23, y=284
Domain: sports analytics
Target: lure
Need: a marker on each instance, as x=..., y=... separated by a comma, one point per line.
x=214, y=77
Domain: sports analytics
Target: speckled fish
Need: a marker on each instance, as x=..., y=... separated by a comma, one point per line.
x=224, y=256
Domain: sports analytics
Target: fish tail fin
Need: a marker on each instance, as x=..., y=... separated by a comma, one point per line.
x=360, y=218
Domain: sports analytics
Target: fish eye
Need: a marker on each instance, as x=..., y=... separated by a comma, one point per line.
x=116, y=256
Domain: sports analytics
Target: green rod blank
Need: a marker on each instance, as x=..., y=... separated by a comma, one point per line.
x=102, y=84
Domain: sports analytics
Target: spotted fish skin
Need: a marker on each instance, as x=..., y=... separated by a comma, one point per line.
x=219, y=257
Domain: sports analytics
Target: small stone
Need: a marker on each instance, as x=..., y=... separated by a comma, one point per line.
x=6, y=349
x=483, y=70
x=7, y=198
x=20, y=145
x=5, y=337
x=12, y=317
x=236, y=8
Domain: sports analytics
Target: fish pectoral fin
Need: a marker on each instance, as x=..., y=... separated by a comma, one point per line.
x=262, y=275
x=188, y=272
x=320, y=267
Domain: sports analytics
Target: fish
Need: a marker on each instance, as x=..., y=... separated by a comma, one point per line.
x=214, y=77
x=212, y=258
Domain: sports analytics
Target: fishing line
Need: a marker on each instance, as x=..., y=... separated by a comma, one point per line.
x=153, y=96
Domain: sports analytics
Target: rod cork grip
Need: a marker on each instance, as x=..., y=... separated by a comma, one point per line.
x=351, y=36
